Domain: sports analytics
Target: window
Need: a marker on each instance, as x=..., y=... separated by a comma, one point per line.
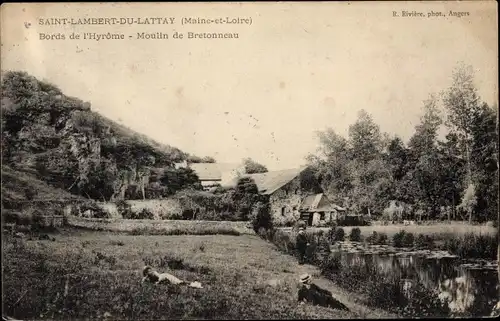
x=283, y=211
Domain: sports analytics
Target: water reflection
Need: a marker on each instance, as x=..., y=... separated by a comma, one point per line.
x=468, y=287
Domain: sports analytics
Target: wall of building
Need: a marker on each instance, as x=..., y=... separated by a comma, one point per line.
x=288, y=198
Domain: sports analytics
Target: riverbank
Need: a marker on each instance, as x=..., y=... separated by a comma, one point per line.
x=407, y=281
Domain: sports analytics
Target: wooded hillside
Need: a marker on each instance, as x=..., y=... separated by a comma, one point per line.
x=62, y=142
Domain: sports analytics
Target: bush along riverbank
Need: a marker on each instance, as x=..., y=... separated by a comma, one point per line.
x=377, y=288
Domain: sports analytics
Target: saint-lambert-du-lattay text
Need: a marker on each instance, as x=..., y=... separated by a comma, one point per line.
x=143, y=21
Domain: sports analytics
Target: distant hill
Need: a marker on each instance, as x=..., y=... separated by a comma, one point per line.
x=59, y=141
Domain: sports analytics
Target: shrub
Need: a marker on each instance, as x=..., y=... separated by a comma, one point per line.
x=408, y=239
x=145, y=214
x=355, y=235
x=338, y=235
x=403, y=239
x=124, y=209
x=377, y=238
x=424, y=241
x=261, y=216
x=96, y=211
x=331, y=264
x=283, y=241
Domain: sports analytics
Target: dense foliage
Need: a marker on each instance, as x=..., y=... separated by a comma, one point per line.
x=68, y=146
x=252, y=167
x=241, y=203
x=435, y=176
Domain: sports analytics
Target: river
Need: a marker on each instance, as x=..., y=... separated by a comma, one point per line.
x=467, y=287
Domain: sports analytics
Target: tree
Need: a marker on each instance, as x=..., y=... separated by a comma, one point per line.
x=178, y=179
x=424, y=159
x=252, y=167
x=397, y=158
x=452, y=171
x=462, y=103
x=365, y=139
x=484, y=159
x=366, y=144
x=246, y=195
x=426, y=133
x=330, y=164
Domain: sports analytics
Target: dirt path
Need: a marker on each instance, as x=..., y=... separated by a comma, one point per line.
x=347, y=298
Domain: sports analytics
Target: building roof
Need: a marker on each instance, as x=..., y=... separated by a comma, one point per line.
x=206, y=171
x=212, y=171
x=270, y=182
x=313, y=203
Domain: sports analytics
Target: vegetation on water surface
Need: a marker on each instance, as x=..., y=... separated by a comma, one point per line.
x=378, y=289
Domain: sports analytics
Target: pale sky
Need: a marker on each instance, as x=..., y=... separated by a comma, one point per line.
x=298, y=68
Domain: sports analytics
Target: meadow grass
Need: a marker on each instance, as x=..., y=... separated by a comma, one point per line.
x=96, y=275
x=436, y=230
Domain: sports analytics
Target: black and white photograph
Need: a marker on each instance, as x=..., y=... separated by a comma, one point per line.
x=249, y=160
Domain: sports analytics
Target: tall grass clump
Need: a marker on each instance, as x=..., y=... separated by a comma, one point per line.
x=470, y=245
x=377, y=238
x=355, y=234
x=336, y=234
x=424, y=241
x=403, y=239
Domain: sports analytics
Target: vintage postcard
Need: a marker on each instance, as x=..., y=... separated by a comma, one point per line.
x=253, y=160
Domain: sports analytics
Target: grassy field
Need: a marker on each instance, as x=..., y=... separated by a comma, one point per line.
x=434, y=229
x=94, y=275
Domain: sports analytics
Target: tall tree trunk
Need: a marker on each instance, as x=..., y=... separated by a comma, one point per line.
x=454, y=213
x=142, y=188
x=469, y=176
